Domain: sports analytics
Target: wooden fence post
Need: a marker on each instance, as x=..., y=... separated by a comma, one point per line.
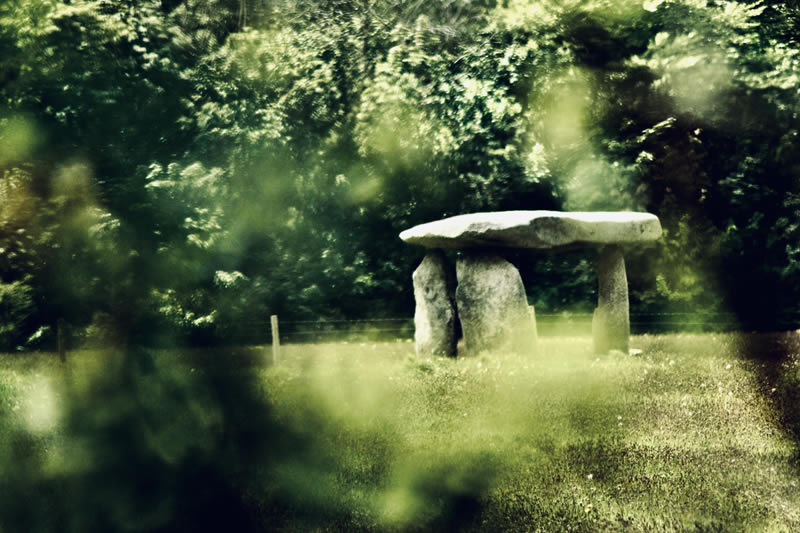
x=276, y=339
x=61, y=339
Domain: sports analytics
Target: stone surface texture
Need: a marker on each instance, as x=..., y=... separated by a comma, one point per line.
x=611, y=320
x=545, y=230
x=435, y=314
x=492, y=305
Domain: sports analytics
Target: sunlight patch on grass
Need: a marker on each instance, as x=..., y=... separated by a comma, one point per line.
x=563, y=438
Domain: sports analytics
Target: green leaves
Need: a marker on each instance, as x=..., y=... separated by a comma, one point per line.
x=172, y=140
x=16, y=309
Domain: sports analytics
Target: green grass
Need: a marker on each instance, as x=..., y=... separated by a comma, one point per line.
x=699, y=433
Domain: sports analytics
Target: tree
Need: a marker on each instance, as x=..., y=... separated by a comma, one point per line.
x=153, y=150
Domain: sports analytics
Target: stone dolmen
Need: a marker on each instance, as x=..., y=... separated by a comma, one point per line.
x=485, y=292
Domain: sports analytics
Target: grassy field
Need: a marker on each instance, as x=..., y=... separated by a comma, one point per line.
x=698, y=433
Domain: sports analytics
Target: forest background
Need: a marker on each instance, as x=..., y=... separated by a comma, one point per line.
x=179, y=170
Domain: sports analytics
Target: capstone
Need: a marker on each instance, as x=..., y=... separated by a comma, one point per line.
x=542, y=230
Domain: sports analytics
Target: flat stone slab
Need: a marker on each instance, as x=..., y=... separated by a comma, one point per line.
x=543, y=230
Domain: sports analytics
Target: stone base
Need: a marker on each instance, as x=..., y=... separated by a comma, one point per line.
x=435, y=313
x=492, y=305
x=611, y=320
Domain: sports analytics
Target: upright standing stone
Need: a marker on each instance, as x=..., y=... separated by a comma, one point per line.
x=435, y=314
x=492, y=305
x=611, y=321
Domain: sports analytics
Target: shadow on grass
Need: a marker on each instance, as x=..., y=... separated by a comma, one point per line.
x=173, y=440
x=145, y=443
x=775, y=358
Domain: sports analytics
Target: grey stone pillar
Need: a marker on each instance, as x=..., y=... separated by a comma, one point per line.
x=611, y=321
x=492, y=305
x=435, y=313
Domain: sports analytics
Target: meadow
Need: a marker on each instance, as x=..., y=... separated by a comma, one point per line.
x=699, y=432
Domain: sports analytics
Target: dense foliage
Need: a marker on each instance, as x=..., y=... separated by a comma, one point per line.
x=182, y=169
